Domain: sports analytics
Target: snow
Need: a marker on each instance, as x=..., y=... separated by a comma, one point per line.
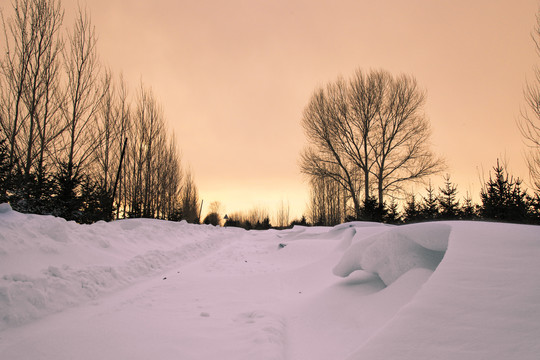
x=140, y=289
x=392, y=253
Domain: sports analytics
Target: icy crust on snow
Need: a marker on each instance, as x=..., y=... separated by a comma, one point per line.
x=48, y=264
x=396, y=250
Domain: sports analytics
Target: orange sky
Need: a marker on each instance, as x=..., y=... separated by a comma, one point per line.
x=234, y=76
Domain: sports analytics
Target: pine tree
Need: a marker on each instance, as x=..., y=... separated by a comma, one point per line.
x=503, y=199
x=430, y=204
x=534, y=210
x=4, y=171
x=372, y=210
x=448, y=201
x=469, y=211
x=96, y=202
x=412, y=210
x=392, y=214
x=68, y=200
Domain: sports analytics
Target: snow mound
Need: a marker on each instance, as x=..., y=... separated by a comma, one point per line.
x=395, y=251
x=482, y=302
x=48, y=264
x=4, y=208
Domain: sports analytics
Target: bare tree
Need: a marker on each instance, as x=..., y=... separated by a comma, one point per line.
x=42, y=81
x=124, y=113
x=19, y=35
x=283, y=214
x=30, y=81
x=529, y=123
x=214, y=214
x=327, y=202
x=171, y=183
x=152, y=163
x=190, y=199
x=258, y=216
x=58, y=107
x=401, y=140
x=366, y=97
x=324, y=156
x=107, y=154
x=50, y=126
x=83, y=98
x=368, y=130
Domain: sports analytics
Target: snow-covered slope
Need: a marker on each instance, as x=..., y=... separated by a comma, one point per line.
x=142, y=289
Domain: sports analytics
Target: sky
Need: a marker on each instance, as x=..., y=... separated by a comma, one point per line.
x=234, y=76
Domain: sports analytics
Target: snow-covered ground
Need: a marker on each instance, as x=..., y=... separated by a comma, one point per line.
x=148, y=289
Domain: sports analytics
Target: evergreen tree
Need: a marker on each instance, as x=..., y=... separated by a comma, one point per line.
x=534, y=210
x=96, y=202
x=263, y=225
x=372, y=210
x=448, y=201
x=503, y=199
x=212, y=218
x=68, y=200
x=430, y=204
x=469, y=211
x=392, y=214
x=4, y=171
x=301, y=222
x=412, y=210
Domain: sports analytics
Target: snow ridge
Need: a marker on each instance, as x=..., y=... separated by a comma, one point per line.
x=392, y=253
x=126, y=256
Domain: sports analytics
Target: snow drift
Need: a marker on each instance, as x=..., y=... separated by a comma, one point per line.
x=482, y=302
x=48, y=264
x=392, y=253
x=142, y=289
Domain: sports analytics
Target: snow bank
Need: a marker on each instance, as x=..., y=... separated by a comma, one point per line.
x=482, y=302
x=201, y=292
x=395, y=251
x=48, y=264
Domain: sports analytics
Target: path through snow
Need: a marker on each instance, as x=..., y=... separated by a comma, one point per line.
x=142, y=289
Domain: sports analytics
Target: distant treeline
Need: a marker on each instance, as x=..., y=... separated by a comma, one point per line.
x=502, y=199
x=73, y=141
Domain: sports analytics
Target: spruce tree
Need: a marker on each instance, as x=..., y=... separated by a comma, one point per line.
x=430, y=205
x=534, y=209
x=448, y=201
x=4, y=171
x=503, y=199
x=372, y=210
x=392, y=213
x=469, y=211
x=412, y=210
x=69, y=202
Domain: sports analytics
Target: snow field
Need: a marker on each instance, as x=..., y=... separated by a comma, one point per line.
x=142, y=289
x=48, y=264
x=482, y=302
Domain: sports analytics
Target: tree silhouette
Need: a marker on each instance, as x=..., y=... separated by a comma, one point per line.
x=369, y=130
x=529, y=124
x=502, y=197
x=448, y=202
x=430, y=204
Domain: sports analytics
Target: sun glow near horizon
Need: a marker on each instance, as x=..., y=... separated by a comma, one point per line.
x=234, y=79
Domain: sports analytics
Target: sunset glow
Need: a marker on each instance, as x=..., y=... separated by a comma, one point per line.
x=234, y=77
